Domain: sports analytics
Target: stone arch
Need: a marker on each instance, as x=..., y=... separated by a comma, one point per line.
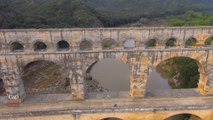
x=209, y=41
x=184, y=116
x=152, y=42
x=108, y=43
x=49, y=77
x=111, y=118
x=63, y=45
x=86, y=44
x=201, y=69
x=129, y=43
x=171, y=42
x=16, y=46
x=2, y=88
x=40, y=46
x=96, y=62
x=190, y=42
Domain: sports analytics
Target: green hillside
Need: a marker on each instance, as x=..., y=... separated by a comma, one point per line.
x=117, y=12
x=46, y=13
x=94, y=13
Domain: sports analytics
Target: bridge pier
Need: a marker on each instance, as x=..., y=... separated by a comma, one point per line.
x=77, y=81
x=138, y=76
x=208, y=83
x=14, y=85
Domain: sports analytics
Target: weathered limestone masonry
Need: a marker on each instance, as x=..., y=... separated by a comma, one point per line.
x=160, y=115
x=129, y=47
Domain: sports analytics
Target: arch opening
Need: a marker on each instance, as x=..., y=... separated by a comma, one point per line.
x=2, y=89
x=108, y=75
x=48, y=78
x=183, y=116
x=85, y=45
x=108, y=43
x=175, y=73
x=111, y=118
x=40, y=46
x=151, y=43
x=171, y=42
x=208, y=41
x=16, y=46
x=190, y=42
x=63, y=45
x=129, y=44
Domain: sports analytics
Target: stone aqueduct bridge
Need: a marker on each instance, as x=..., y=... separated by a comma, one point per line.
x=18, y=47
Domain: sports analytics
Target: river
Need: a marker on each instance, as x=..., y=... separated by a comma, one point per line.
x=114, y=76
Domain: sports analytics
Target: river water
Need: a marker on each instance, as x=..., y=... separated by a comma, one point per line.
x=114, y=76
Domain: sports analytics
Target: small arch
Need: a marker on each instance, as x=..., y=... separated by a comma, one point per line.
x=171, y=42
x=111, y=118
x=129, y=43
x=108, y=43
x=40, y=46
x=151, y=43
x=209, y=41
x=63, y=45
x=184, y=116
x=2, y=89
x=190, y=42
x=85, y=45
x=16, y=46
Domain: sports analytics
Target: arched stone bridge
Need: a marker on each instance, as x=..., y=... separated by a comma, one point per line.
x=77, y=49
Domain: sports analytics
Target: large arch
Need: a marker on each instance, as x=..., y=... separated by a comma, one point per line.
x=183, y=116
x=173, y=73
x=201, y=69
x=105, y=68
x=111, y=118
x=49, y=77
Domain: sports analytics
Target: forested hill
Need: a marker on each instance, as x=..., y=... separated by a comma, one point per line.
x=46, y=13
x=118, y=12
x=132, y=7
x=91, y=13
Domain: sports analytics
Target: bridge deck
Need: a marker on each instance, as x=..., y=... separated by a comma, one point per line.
x=107, y=105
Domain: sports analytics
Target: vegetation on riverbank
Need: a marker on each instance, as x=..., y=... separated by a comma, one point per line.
x=191, y=18
x=182, y=72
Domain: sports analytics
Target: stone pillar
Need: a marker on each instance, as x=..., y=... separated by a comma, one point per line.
x=77, y=81
x=138, y=76
x=13, y=85
x=205, y=86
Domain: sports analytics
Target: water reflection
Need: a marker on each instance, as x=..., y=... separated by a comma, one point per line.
x=112, y=74
x=156, y=81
